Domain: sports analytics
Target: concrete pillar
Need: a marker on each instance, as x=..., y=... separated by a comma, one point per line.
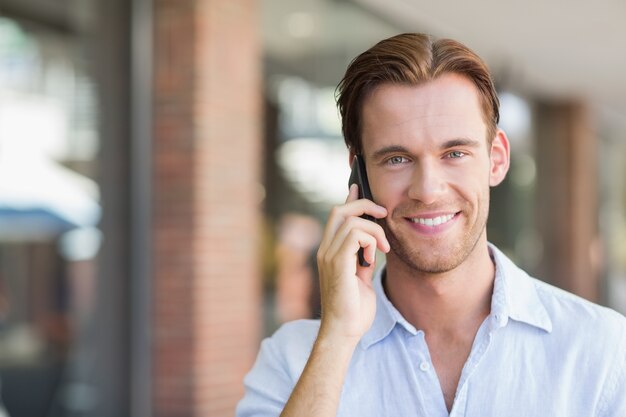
x=567, y=196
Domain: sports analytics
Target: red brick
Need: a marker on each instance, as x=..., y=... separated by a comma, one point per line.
x=207, y=155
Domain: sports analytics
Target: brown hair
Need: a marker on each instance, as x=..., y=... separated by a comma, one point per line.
x=410, y=59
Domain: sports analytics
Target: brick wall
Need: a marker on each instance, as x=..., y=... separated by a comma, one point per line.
x=207, y=156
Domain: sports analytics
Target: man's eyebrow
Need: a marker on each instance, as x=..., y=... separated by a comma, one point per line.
x=387, y=150
x=453, y=143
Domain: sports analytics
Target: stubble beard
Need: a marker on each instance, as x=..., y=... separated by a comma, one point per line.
x=438, y=257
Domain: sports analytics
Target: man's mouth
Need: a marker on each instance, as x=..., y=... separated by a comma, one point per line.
x=433, y=221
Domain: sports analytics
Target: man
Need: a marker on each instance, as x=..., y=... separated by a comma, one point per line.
x=449, y=326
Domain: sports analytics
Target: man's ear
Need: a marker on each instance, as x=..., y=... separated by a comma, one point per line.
x=499, y=158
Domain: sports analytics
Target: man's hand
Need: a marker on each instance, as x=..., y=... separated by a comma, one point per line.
x=348, y=299
x=348, y=305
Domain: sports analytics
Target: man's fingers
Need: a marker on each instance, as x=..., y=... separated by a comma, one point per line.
x=342, y=253
x=367, y=226
x=356, y=208
x=355, y=239
x=353, y=193
x=369, y=254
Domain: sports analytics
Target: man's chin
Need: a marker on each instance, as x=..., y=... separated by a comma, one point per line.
x=432, y=254
x=427, y=261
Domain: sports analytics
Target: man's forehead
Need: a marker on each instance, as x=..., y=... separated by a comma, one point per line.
x=444, y=109
x=448, y=89
x=435, y=102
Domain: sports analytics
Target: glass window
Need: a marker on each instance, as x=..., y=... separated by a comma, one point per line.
x=49, y=210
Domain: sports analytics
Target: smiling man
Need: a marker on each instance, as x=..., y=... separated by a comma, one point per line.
x=449, y=326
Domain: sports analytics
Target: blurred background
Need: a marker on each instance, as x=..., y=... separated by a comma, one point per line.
x=166, y=167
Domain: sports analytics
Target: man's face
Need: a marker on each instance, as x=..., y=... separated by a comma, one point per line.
x=429, y=164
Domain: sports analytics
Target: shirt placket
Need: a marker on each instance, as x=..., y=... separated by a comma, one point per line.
x=428, y=387
x=483, y=340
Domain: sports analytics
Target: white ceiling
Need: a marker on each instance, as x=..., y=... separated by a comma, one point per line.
x=547, y=49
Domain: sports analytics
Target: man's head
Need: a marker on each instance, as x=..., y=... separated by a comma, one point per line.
x=424, y=115
x=410, y=59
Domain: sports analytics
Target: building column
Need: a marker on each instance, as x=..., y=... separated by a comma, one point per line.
x=567, y=197
x=207, y=159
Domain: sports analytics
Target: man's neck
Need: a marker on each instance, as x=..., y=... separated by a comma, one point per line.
x=450, y=304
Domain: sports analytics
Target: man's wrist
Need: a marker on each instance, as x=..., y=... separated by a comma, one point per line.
x=329, y=338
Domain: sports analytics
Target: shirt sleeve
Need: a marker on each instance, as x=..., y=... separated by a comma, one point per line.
x=615, y=403
x=268, y=385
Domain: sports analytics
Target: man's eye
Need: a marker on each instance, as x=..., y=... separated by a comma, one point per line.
x=395, y=160
x=456, y=154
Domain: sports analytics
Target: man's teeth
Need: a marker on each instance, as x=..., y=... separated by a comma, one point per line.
x=435, y=221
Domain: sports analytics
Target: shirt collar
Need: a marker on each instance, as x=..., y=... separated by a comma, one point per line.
x=515, y=294
x=514, y=297
x=387, y=316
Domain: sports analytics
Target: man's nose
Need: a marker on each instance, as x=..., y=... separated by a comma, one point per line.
x=427, y=183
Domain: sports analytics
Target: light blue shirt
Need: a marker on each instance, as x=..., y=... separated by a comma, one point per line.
x=540, y=352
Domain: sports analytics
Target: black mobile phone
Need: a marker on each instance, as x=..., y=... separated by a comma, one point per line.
x=359, y=177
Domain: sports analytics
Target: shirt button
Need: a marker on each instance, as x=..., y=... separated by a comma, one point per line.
x=501, y=319
x=424, y=366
